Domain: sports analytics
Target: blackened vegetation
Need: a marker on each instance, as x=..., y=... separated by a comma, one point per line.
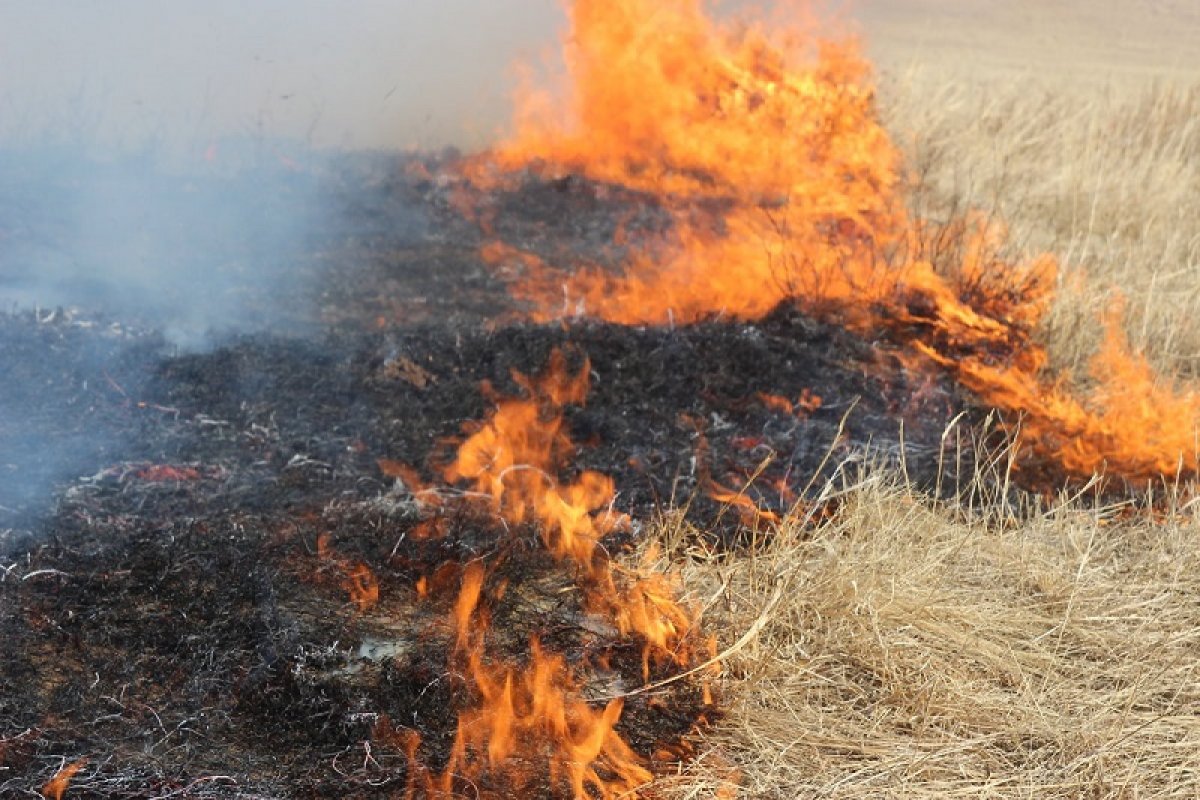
x=64, y=401
x=179, y=612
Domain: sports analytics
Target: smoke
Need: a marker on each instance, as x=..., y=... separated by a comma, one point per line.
x=189, y=254
x=168, y=163
x=190, y=167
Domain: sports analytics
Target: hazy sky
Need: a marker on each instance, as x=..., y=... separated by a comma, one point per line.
x=350, y=72
x=403, y=73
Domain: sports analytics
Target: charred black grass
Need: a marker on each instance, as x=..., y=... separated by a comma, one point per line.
x=177, y=627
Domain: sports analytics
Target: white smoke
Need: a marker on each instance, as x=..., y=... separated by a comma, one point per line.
x=167, y=161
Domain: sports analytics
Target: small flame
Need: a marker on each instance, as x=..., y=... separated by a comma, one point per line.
x=648, y=607
x=468, y=599
x=56, y=787
x=513, y=458
x=529, y=723
x=533, y=716
x=751, y=515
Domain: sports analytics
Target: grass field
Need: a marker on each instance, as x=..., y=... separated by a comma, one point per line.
x=920, y=649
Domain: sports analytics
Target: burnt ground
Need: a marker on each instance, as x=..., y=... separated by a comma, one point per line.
x=165, y=609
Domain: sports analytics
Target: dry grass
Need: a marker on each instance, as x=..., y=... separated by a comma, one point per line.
x=1107, y=179
x=913, y=649
x=914, y=652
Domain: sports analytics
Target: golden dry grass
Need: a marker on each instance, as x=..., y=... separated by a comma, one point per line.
x=915, y=649
x=911, y=650
x=1106, y=178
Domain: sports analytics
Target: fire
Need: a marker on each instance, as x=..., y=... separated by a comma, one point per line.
x=56, y=787
x=749, y=512
x=513, y=456
x=802, y=406
x=646, y=606
x=536, y=714
x=1133, y=424
x=167, y=473
x=780, y=180
x=464, y=607
x=528, y=724
x=766, y=150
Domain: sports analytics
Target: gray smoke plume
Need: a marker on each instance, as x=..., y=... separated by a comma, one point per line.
x=166, y=160
x=182, y=167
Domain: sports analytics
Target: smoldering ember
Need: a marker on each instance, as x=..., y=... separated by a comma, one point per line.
x=387, y=538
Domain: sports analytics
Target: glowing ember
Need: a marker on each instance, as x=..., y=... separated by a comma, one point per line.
x=166, y=473
x=767, y=152
x=356, y=578
x=802, y=406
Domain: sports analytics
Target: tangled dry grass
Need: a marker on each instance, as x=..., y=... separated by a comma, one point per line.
x=914, y=648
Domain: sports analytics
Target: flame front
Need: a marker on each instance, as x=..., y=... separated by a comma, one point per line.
x=782, y=185
x=780, y=180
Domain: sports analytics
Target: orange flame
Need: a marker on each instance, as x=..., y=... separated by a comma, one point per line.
x=56, y=787
x=767, y=152
x=468, y=599
x=669, y=103
x=1132, y=424
x=804, y=405
x=647, y=606
x=530, y=724
x=514, y=456
x=751, y=515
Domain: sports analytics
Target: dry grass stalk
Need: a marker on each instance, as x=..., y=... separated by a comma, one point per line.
x=920, y=653
x=1108, y=179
